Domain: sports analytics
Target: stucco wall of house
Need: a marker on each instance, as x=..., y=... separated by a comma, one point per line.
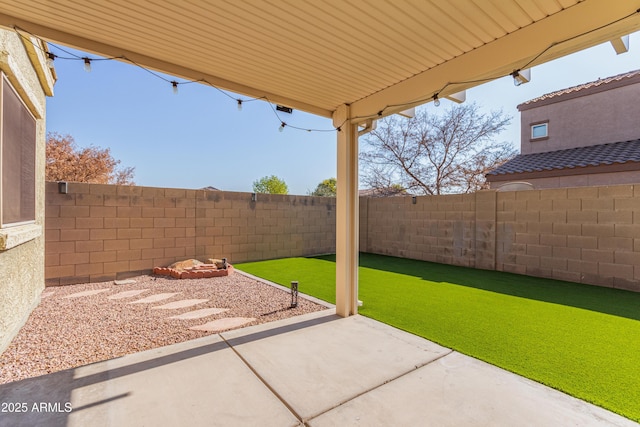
x=590, y=180
x=22, y=266
x=596, y=118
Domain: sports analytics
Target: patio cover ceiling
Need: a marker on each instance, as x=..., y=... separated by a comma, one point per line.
x=346, y=59
x=317, y=55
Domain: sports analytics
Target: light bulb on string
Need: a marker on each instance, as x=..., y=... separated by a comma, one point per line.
x=50, y=58
x=516, y=81
x=436, y=101
x=174, y=84
x=282, y=125
x=521, y=76
x=87, y=64
x=239, y=104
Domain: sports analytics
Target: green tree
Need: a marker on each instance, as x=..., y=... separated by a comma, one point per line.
x=326, y=188
x=270, y=185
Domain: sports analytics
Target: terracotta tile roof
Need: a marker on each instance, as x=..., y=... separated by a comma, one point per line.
x=583, y=86
x=595, y=155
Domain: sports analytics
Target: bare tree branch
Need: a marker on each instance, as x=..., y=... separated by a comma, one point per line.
x=435, y=154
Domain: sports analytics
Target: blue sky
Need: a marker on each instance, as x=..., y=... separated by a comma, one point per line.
x=199, y=138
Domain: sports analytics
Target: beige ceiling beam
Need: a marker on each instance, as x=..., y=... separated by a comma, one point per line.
x=51, y=34
x=509, y=53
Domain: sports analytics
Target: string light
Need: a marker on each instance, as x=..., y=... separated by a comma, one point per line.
x=87, y=66
x=50, y=58
x=521, y=76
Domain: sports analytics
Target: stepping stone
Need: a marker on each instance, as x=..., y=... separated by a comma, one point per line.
x=180, y=304
x=86, y=293
x=127, y=294
x=124, y=282
x=197, y=314
x=223, y=324
x=155, y=298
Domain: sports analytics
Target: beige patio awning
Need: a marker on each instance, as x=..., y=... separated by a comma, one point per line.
x=350, y=60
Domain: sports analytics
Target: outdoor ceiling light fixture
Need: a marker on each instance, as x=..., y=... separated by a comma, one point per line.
x=284, y=109
x=294, y=294
x=521, y=76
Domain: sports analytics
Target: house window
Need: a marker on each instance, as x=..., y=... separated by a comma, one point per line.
x=539, y=130
x=17, y=159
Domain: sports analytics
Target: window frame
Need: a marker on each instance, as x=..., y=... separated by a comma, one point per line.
x=533, y=126
x=6, y=85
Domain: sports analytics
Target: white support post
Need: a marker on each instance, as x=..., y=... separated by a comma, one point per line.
x=346, y=215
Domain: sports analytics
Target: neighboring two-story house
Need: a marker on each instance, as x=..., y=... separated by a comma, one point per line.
x=580, y=136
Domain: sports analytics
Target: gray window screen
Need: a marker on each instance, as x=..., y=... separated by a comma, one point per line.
x=18, y=158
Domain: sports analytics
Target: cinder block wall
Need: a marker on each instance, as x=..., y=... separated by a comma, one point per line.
x=103, y=232
x=586, y=234
x=439, y=229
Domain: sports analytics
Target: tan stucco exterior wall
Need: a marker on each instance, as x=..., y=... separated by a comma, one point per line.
x=22, y=266
x=590, y=180
x=597, y=118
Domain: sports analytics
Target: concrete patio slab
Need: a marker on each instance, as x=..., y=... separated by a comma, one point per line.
x=196, y=383
x=198, y=314
x=314, y=370
x=155, y=298
x=87, y=293
x=179, y=304
x=222, y=324
x=319, y=367
x=127, y=294
x=458, y=390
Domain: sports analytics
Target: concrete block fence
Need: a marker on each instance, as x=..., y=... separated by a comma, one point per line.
x=588, y=235
x=103, y=232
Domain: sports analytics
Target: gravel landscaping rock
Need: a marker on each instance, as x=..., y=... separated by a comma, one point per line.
x=64, y=332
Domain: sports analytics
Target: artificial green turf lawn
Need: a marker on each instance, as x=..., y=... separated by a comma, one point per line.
x=583, y=340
